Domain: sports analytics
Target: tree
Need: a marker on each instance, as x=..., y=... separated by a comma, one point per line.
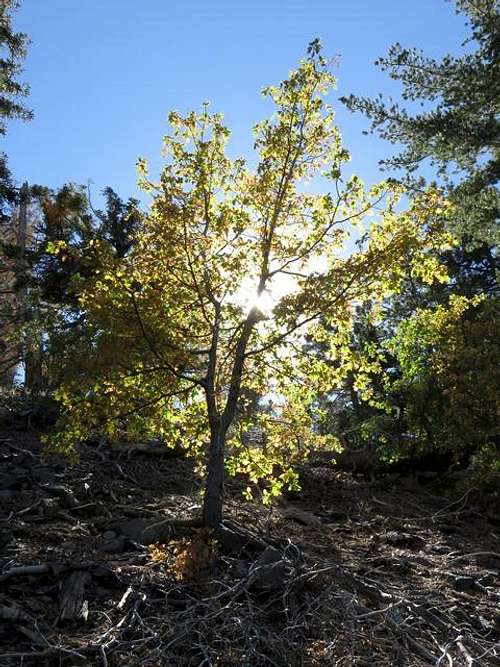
x=456, y=133
x=231, y=270
x=458, y=130
x=41, y=317
x=13, y=51
x=13, y=47
x=67, y=216
x=448, y=357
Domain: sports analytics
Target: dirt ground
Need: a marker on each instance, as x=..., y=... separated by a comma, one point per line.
x=102, y=564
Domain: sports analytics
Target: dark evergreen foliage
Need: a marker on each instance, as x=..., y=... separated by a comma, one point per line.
x=449, y=118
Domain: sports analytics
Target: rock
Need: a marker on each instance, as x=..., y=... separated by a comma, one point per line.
x=156, y=532
x=448, y=529
x=51, y=506
x=399, y=564
x=461, y=583
x=62, y=492
x=109, y=535
x=269, y=556
x=116, y=546
x=234, y=539
x=398, y=539
x=301, y=516
x=105, y=575
x=440, y=548
x=333, y=517
x=132, y=529
x=270, y=571
x=230, y=540
x=142, y=532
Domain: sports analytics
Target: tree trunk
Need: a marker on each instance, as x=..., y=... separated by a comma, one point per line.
x=214, y=486
x=219, y=424
x=74, y=606
x=34, y=380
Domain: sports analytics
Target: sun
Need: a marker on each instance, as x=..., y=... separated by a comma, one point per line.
x=279, y=286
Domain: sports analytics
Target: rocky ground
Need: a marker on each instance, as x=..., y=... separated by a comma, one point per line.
x=103, y=563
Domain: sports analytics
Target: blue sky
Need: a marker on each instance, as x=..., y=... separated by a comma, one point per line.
x=105, y=73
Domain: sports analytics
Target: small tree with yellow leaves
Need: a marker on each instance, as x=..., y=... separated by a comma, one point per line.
x=232, y=270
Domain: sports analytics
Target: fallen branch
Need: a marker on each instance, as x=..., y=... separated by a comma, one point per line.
x=488, y=554
x=26, y=570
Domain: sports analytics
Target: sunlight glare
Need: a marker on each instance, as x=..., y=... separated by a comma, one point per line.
x=280, y=285
x=246, y=296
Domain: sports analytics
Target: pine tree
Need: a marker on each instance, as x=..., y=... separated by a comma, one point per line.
x=13, y=48
x=457, y=130
x=442, y=354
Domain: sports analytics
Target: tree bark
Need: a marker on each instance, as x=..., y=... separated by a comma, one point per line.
x=219, y=424
x=74, y=606
x=214, y=487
